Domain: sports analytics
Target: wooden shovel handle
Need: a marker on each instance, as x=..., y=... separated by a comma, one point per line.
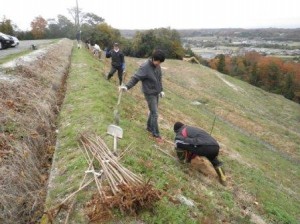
x=120, y=94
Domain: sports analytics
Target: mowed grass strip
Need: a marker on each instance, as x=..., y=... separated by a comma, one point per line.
x=88, y=106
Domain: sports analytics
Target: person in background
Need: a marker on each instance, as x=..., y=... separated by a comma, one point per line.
x=192, y=141
x=78, y=38
x=117, y=62
x=97, y=51
x=150, y=75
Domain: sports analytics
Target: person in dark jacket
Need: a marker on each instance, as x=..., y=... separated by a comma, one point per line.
x=192, y=141
x=150, y=75
x=78, y=38
x=117, y=62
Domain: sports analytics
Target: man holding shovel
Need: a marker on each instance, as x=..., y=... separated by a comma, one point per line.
x=150, y=75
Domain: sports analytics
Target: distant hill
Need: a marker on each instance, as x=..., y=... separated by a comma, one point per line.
x=129, y=33
x=267, y=34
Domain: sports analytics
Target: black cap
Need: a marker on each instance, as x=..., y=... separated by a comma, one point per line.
x=177, y=126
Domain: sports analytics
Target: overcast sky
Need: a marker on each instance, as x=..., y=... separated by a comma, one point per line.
x=177, y=14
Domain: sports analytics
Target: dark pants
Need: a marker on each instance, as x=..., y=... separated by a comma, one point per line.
x=120, y=73
x=211, y=152
x=152, y=124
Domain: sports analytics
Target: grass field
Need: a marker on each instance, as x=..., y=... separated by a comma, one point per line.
x=259, y=134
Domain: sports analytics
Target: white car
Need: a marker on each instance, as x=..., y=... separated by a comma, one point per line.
x=16, y=41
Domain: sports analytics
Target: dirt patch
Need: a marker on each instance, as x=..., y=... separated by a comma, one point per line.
x=234, y=87
x=203, y=165
x=31, y=92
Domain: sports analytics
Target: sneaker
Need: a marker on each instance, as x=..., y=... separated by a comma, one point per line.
x=158, y=139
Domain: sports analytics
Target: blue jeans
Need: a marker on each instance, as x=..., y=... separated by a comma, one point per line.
x=152, y=124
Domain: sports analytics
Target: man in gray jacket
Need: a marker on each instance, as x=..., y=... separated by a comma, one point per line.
x=150, y=75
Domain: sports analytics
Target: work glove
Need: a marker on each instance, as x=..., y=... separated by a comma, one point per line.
x=123, y=88
x=162, y=94
x=123, y=67
x=107, y=53
x=180, y=154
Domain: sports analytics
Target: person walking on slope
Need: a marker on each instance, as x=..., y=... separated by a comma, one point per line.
x=192, y=141
x=117, y=62
x=78, y=38
x=97, y=51
x=150, y=75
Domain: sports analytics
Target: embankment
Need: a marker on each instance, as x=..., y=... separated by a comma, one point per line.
x=31, y=92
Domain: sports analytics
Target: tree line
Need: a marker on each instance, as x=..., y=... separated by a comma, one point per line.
x=269, y=73
x=95, y=30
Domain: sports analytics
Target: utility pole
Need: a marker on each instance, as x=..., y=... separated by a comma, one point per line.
x=77, y=17
x=77, y=25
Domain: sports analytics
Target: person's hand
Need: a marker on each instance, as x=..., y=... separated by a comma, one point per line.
x=123, y=88
x=123, y=67
x=162, y=94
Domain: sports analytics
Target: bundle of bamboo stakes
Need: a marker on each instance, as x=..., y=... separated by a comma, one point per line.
x=115, y=173
x=127, y=191
x=117, y=186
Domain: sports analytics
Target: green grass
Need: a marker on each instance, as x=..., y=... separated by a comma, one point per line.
x=13, y=56
x=263, y=172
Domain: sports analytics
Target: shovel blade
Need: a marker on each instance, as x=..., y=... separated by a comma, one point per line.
x=115, y=130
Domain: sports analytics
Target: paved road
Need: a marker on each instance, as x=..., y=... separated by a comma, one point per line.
x=24, y=45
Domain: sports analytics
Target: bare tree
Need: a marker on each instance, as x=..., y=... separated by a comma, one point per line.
x=77, y=16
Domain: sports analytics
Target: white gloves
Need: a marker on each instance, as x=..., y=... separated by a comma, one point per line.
x=123, y=88
x=162, y=94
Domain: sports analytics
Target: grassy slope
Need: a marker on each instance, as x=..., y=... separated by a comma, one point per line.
x=259, y=133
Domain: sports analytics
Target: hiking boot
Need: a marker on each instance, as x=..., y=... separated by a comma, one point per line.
x=221, y=175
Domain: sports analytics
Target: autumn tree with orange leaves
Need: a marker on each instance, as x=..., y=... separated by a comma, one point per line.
x=38, y=26
x=270, y=73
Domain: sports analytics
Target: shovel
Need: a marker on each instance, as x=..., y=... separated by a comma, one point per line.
x=116, y=132
x=114, y=129
x=116, y=111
